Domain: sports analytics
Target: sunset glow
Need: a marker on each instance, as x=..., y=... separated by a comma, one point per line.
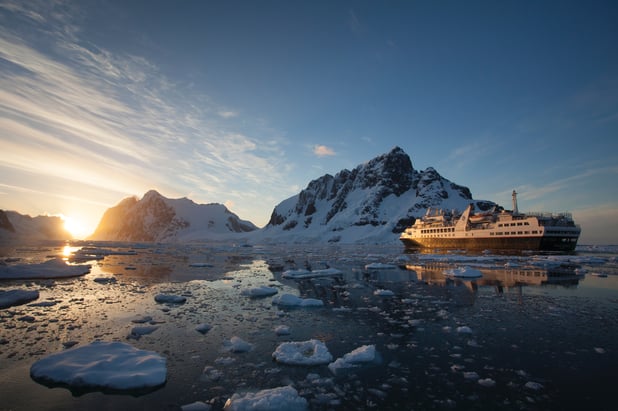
x=75, y=227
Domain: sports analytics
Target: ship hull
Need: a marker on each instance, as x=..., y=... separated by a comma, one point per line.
x=510, y=243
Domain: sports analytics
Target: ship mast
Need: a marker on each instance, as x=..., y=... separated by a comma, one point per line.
x=515, y=209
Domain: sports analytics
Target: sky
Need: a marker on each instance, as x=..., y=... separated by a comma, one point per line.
x=244, y=102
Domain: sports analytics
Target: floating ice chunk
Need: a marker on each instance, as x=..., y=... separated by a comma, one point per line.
x=137, y=332
x=380, y=266
x=54, y=268
x=196, y=406
x=294, y=301
x=282, y=330
x=464, y=329
x=170, y=299
x=210, y=373
x=384, y=293
x=102, y=365
x=200, y=265
x=142, y=319
x=263, y=291
x=463, y=272
x=105, y=280
x=281, y=398
x=487, y=382
x=599, y=350
x=535, y=386
x=237, y=344
x=363, y=355
x=11, y=298
x=471, y=375
x=203, y=328
x=299, y=274
x=312, y=352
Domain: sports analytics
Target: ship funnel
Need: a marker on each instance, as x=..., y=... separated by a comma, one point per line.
x=515, y=209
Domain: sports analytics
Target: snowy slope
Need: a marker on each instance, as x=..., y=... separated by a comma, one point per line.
x=372, y=203
x=18, y=227
x=157, y=218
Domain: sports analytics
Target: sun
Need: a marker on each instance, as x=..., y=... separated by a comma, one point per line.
x=75, y=227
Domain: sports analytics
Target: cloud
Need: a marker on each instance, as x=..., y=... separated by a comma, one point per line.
x=227, y=114
x=76, y=112
x=322, y=151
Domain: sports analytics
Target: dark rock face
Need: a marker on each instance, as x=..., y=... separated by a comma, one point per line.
x=359, y=197
x=157, y=218
x=5, y=223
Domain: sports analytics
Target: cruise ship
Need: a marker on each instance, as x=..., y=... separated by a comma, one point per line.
x=493, y=229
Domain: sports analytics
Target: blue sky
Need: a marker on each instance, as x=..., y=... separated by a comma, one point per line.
x=243, y=103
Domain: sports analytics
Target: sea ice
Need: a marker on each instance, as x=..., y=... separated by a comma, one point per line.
x=291, y=300
x=464, y=329
x=170, y=299
x=312, y=352
x=380, y=266
x=263, y=291
x=487, y=382
x=102, y=365
x=137, y=332
x=280, y=398
x=363, y=355
x=302, y=274
x=203, y=328
x=11, y=298
x=54, y=268
x=463, y=272
x=383, y=293
x=237, y=344
x=282, y=330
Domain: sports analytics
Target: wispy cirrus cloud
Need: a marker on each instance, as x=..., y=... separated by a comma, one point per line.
x=76, y=111
x=323, y=151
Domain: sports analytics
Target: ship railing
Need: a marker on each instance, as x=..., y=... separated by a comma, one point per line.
x=565, y=215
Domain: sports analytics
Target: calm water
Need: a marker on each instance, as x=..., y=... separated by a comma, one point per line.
x=545, y=319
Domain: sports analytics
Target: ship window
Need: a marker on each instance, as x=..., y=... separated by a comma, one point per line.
x=520, y=232
x=526, y=223
x=519, y=224
x=500, y=225
x=535, y=232
x=491, y=234
x=526, y=232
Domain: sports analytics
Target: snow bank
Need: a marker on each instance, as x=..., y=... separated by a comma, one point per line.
x=54, y=268
x=16, y=297
x=102, y=365
x=290, y=300
x=281, y=398
x=363, y=355
x=312, y=352
x=263, y=291
x=463, y=272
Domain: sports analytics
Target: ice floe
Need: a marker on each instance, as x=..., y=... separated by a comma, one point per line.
x=302, y=274
x=203, y=328
x=280, y=398
x=311, y=352
x=237, y=345
x=363, y=355
x=102, y=365
x=11, y=298
x=263, y=291
x=290, y=300
x=380, y=266
x=383, y=293
x=170, y=299
x=54, y=268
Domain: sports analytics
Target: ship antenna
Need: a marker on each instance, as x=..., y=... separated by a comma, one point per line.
x=515, y=209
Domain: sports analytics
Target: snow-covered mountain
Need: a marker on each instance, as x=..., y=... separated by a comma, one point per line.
x=16, y=227
x=157, y=218
x=372, y=203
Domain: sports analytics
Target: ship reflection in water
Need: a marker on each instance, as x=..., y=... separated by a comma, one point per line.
x=503, y=281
